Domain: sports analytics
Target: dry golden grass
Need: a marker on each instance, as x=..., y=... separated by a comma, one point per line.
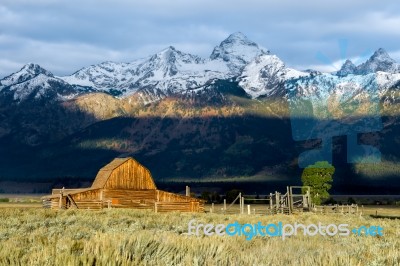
x=20, y=205
x=133, y=237
x=382, y=210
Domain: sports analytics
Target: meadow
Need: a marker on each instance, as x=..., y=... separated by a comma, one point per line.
x=31, y=236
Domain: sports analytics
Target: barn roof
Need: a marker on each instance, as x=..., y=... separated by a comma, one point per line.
x=105, y=172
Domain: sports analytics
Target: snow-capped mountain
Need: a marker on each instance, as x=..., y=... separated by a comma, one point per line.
x=237, y=51
x=265, y=76
x=104, y=76
x=169, y=71
x=173, y=72
x=347, y=69
x=26, y=73
x=379, y=61
x=33, y=81
x=329, y=96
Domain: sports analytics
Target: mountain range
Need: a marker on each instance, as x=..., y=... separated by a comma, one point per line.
x=178, y=108
x=172, y=72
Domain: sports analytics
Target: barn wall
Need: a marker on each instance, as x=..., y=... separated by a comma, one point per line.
x=86, y=199
x=87, y=195
x=54, y=203
x=89, y=205
x=174, y=202
x=138, y=199
x=172, y=197
x=130, y=175
x=179, y=206
x=158, y=200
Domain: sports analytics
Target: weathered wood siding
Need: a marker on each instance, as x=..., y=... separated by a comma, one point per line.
x=146, y=199
x=171, y=197
x=148, y=194
x=138, y=199
x=167, y=201
x=130, y=175
x=179, y=206
x=87, y=195
x=54, y=203
x=89, y=205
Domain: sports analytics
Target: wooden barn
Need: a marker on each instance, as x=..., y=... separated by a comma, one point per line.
x=123, y=183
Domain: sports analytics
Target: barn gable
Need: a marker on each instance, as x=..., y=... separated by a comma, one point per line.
x=124, y=173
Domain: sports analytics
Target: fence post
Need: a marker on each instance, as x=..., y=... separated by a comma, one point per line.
x=224, y=204
x=248, y=210
x=278, y=200
x=288, y=200
x=270, y=201
x=212, y=207
x=60, y=201
x=187, y=191
x=309, y=202
x=240, y=203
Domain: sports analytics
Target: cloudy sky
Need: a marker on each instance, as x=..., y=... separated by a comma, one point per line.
x=64, y=36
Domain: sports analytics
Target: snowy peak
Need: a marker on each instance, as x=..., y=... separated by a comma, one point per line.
x=172, y=55
x=379, y=61
x=237, y=50
x=382, y=56
x=34, y=82
x=347, y=68
x=237, y=39
x=167, y=62
x=168, y=55
x=35, y=69
x=172, y=71
x=27, y=72
x=265, y=76
x=106, y=75
x=169, y=70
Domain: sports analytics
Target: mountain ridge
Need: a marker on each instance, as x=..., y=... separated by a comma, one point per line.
x=180, y=114
x=171, y=72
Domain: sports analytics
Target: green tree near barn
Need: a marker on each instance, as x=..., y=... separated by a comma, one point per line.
x=319, y=177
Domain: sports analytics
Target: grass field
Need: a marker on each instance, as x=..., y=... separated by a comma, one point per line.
x=382, y=210
x=20, y=200
x=30, y=236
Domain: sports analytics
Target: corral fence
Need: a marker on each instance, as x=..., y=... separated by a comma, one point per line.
x=297, y=199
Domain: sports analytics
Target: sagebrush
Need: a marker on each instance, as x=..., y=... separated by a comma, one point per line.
x=134, y=237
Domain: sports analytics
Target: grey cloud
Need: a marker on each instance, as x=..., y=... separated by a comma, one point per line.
x=67, y=35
